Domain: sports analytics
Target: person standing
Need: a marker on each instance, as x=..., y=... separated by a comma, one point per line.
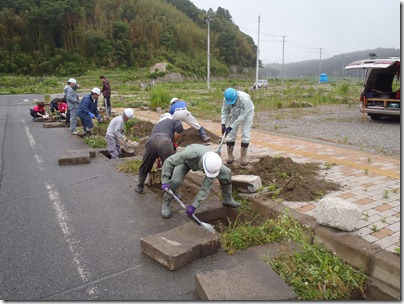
x=195, y=157
x=72, y=100
x=178, y=109
x=115, y=131
x=88, y=109
x=106, y=92
x=162, y=143
x=237, y=109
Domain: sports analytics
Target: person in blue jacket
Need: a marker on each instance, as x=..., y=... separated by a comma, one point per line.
x=88, y=109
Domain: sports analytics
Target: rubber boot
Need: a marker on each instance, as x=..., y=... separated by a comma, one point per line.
x=228, y=197
x=244, y=148
x=140, y=185
x=230, y=149
x=203, y=134
x=165, y=209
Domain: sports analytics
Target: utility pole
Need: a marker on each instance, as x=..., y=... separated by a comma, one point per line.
x=258, y=54
x=319, y=69
x=208, y=68
x=283, y=56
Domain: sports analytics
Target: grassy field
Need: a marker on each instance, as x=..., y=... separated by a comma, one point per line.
x=134, y=89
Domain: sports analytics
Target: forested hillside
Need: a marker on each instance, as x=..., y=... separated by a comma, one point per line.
x=40, y=37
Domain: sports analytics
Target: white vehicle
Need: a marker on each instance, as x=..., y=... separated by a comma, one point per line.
x=378, y=97
x=262, y=83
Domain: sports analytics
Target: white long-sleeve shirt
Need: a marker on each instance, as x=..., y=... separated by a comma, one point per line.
x=115, y=127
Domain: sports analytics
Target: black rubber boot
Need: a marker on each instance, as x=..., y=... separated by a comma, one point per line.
x=140, y=185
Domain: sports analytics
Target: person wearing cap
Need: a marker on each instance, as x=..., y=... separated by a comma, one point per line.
x=237, y=110
x=88, y=109
x=72, y=100
x=195, y=157
x=115, y=132
x=178, y=108
x=38, y=111
x=161, y=144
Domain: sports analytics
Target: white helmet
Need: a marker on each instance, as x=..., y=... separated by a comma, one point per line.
x=72, y=80
x=212, y=163
x=129, y=113
x=175, y=99
x=165, y=116
x=96, y=91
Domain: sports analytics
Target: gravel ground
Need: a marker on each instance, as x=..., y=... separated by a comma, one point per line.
x=341, y=124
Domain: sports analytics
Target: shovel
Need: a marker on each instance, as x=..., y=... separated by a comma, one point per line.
x=219, y=149
x=207, y=226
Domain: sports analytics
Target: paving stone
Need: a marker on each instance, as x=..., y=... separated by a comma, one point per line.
x=74, y=158
x=91, y=151
x=253, y=282
x=53, y=124
x=178, y=247
x=246, y=183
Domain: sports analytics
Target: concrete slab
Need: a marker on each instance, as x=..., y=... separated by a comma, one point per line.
x=246, y=183
x=74, y=158
x=253, y=282
x=53, y=124
x=180, y=246
x=91, y=151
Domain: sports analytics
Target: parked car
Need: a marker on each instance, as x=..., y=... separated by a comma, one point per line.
x=378, y=98
x=262, y=83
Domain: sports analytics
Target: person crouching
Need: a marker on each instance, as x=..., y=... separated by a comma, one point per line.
x=115, y=132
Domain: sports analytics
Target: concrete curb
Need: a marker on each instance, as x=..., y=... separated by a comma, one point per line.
x=375, y=262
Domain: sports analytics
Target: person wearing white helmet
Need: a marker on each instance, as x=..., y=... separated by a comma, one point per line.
x=237, y=110
x=195, y=157
x=88, y=109
x=178, y=108
x=72, y=100
x=115, y=132
x=161, y=143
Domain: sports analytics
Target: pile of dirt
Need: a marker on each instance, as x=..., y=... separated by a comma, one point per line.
x=281, y=177
x=287, y=180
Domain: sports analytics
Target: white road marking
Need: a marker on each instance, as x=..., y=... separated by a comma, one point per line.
x=74, y=244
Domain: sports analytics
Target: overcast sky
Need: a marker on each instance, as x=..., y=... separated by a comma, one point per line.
x=334, y=26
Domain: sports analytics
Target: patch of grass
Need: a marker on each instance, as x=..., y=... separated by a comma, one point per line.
x=95, y=141
x=130, y=166
x=312, y=272
x=397, y=250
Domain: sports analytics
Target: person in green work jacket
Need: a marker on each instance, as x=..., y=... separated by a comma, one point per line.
x=195, y=157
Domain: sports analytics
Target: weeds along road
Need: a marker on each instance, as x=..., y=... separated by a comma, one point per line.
x=72, y=232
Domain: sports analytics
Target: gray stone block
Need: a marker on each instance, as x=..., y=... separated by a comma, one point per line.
x=180, y=246
x=74, y=158
x=246, y=183
x=91, y=151
x=53, y=124
x=251, y=282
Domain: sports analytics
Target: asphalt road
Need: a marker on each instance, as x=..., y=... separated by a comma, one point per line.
x=72, y=232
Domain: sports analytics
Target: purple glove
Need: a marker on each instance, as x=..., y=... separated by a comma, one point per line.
x=228, y=130
x=190, y=210
x=165, y=187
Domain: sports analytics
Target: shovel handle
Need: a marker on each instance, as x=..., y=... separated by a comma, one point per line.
x=183, y=206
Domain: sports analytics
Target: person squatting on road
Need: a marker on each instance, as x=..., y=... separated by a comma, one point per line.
x=38, y=111
x=106, y=92
x=72, y=100
x=161, y=143
x=88, y=109
x=239, y=106
x=195, y=157
x=58, y=105
x=115, y=131
x=178, y=108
